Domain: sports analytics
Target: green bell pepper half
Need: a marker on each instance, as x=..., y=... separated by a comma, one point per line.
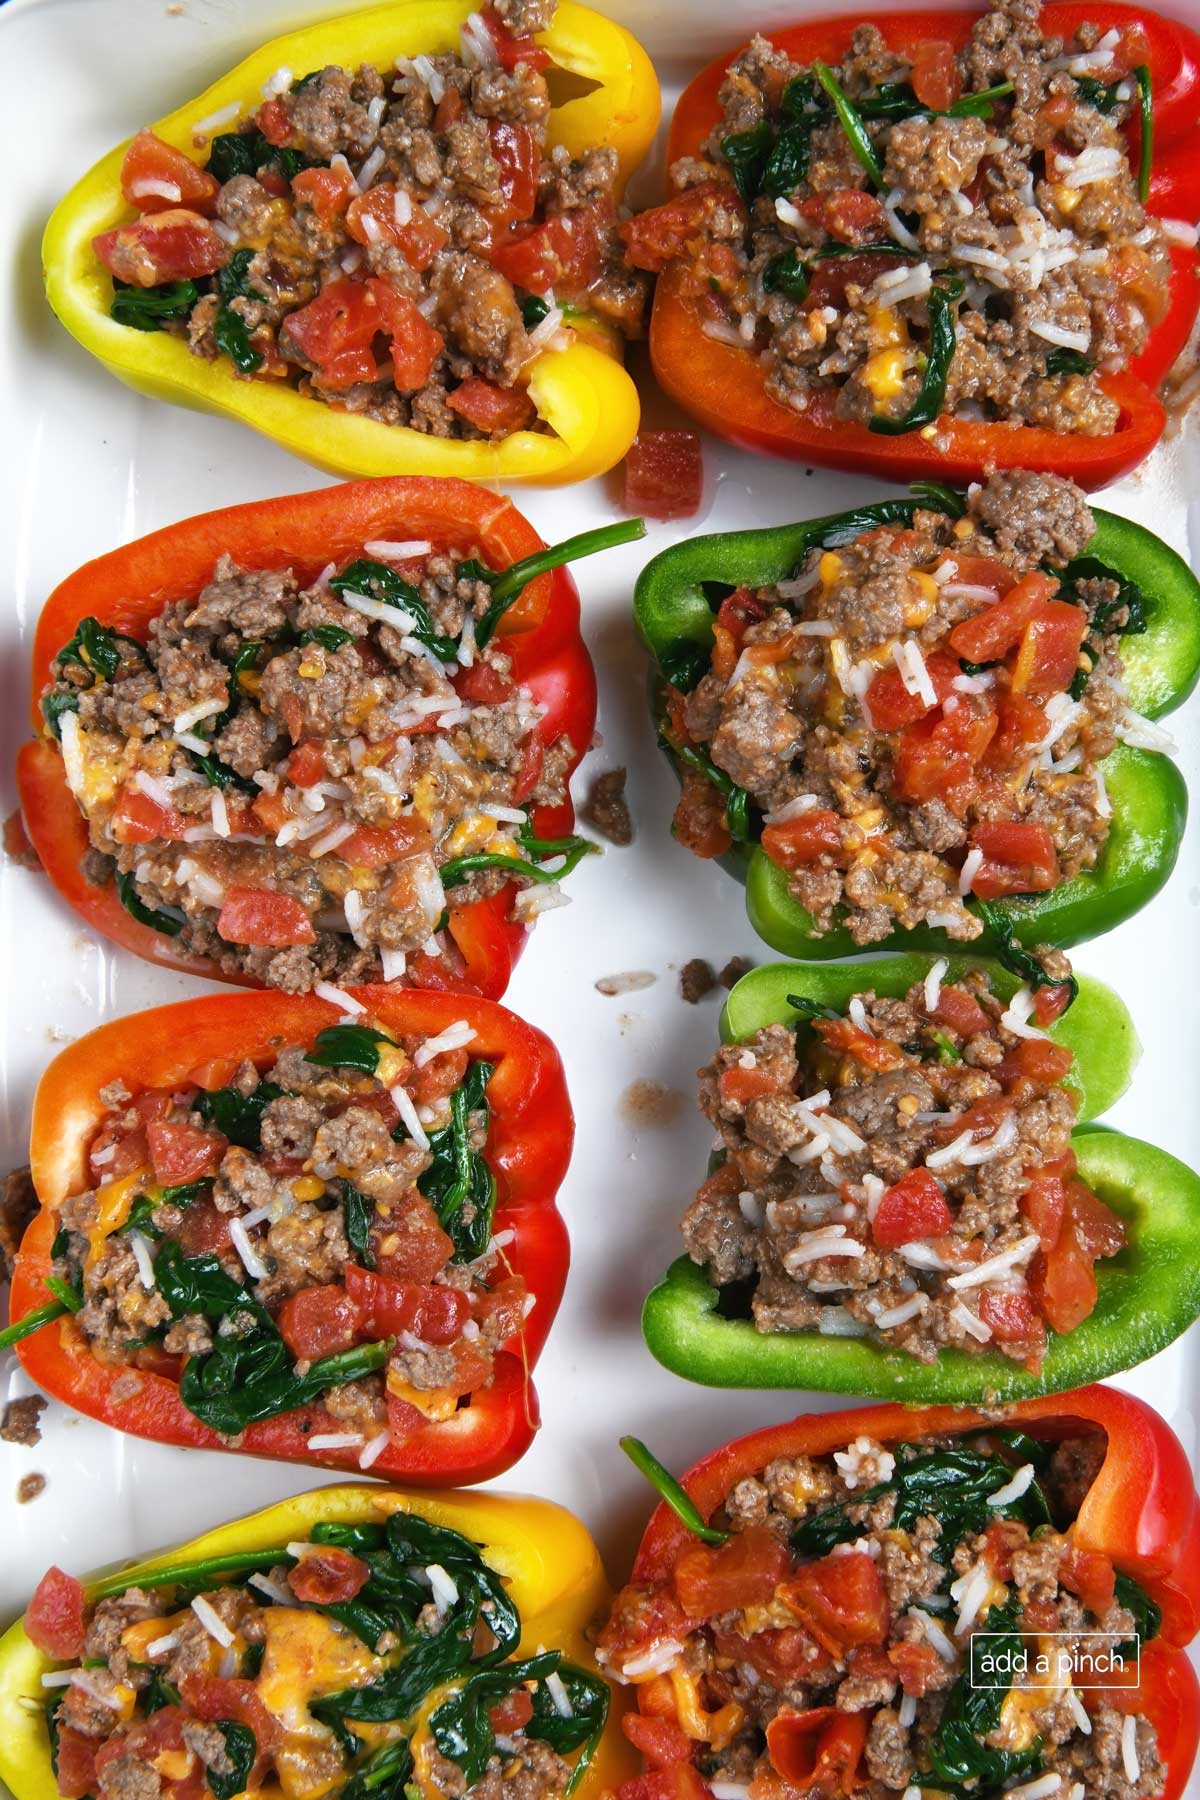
x=675, y=602
x=1149, y=1292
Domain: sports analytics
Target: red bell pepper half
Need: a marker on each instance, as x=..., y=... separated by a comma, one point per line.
x=1141, y=1513
x=723, y=386
x=528, y=1150
x=127, y=589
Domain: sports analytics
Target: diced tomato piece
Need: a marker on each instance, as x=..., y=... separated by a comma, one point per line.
x=1035, y=1060
x=911, y=1209
x=151, y=164
x=274, y=121
x=75, y=1763
x=849, y=215
x=502, y=1308
x=917, y=1665
x=491, y=409
x=403, y=1419
x=781, y=1657
x=984, y=572
x=990, y=634
x=517, y=155
x=212, y=1697
x=413, y=1247
x=1044, y=1201
x=562, y=252
x=745, y=1571
x=1049, y=650
x=1022, y=725
x=203, y=1229
x=1018, y=858
x=56, y=1617
x=375, y=846
x=739, y=1086
x=261, y=916
x=1090, y=1574
x=137, y=819
x=482, y=685
x=1013, y=1317
x=416, y=345
x=960, y=1011
x=1048, y=658
x=146, y=1740
x=934, y=75
x=511, y=49
x=512, y=1713
x=181, y=1152
x=818, y=1749
x=664, y=475
x=829, y=279
x=153, y=1104
x=841, y=1600
x=335, y=333
x=1100, y=1231
x=738, y=611
x=327, y=1574
x=699, y=822
x=529, y=769
x=660, y=1741
x=1063, y=1281
x=306, y=765
x=375, y=218
x=327, y=191
x=318, y=1321
x=176, y=245
x=1050, y=1003
x=679, y=228
x=848, y=1039
x=941, y=751
x=387, y=1307
x=889, y=703
x=804, y=839
x=677, y=1781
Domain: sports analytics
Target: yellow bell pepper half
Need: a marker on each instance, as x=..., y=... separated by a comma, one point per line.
x=582, y=393
x=546, y=1558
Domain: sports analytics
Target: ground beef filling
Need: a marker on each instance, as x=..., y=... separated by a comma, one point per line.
x=327, y=1195
x=1024, y=225
x=920, y=715
x=854, y=1582
x=904, y=1173
x=214, y=1690
x=401, y=243
x=280, y=778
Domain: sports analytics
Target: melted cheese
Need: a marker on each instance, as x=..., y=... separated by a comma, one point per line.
x=436, y=1403
x=306, y=1656
x=884, y=374
x=113, y=1202
x=715, y=1728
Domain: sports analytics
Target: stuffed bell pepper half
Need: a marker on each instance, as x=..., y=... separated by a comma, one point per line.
x=321, y=1233
x=928, y=1602
x=388, y=242
x=929, y=720
x=326, y=738
x=356, y=1641
x=908, y=1197
x=934, y=243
